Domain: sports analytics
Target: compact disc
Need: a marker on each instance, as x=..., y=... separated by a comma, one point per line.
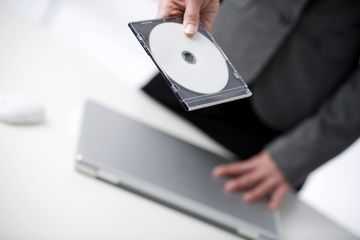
x=194, y=63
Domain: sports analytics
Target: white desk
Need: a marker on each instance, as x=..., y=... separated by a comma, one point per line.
x=42, y=197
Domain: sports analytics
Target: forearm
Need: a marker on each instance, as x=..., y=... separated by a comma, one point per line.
x=321, y=137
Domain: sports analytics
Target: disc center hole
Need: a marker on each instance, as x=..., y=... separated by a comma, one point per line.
x=188, y=57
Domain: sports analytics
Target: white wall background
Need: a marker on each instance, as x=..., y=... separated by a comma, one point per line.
x=99, y=29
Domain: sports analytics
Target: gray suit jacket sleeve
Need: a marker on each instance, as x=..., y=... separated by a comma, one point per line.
x=321, y=137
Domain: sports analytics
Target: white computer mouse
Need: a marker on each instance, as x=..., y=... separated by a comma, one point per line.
x=20, y=109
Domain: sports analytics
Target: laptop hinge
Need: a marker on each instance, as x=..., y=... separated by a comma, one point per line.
x=85, y=168
x=264, y=237
x=109, y=177
x=248, y=233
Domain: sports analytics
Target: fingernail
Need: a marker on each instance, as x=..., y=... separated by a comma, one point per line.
x=216, y=172
x=271, y=208
x=189, y=29
x=228, y=187
x=246, y=197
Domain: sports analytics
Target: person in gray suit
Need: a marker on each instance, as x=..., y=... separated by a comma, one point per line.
x=301, y=60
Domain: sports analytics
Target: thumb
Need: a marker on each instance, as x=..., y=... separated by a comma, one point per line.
x=191, y=17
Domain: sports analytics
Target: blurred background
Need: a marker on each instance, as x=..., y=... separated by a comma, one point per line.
x=98, y=30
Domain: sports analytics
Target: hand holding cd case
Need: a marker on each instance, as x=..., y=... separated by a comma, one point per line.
x=196, y=69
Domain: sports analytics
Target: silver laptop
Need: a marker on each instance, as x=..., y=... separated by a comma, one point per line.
x=163, y=168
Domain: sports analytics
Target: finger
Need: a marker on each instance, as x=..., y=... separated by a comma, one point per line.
x=260, y=190
x=207, y=25
x=277, y=197
x=232, y=169
x=208, y=15
x=191, y=17
x=163, y=9
x=242, y=182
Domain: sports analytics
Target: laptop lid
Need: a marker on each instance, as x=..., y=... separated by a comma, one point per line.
x=141, y=159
